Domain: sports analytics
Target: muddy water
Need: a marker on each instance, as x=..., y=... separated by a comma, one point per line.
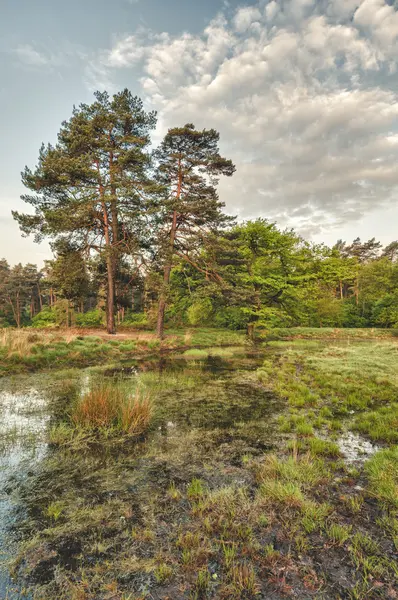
x=218, y=395
x=24, y=417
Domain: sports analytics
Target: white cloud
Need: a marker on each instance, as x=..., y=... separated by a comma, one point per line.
x=304, y=95
x=30, y=56
x=41, y=57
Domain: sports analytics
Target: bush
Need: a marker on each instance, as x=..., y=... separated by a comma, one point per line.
x=135, y=320
x=385, y=311
x=45, y=318
x=352, y=317
x=232, y=318
x=92, y=318
x=200, y=312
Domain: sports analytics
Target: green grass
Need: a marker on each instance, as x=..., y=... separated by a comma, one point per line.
x=24, y=351
x=327, y=333
x=382, y=473
x=380, y=425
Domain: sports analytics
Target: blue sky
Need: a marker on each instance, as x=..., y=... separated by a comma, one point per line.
x=303, y=92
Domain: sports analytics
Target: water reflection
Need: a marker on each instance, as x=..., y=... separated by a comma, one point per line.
x=24, y=419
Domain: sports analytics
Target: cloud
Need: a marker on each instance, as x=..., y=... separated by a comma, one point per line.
x=28, y=55
x=42, y=58
x=304, y=94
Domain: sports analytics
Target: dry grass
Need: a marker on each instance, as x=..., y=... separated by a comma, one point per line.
x=14, y=341
x=111, y=406
x=135, y=414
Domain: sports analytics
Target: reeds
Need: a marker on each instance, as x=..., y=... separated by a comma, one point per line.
x=109, y=405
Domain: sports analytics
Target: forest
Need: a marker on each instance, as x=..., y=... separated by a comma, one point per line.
x=141, y=239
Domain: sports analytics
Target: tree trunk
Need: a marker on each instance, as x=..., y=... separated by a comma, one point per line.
x=18, y=312
x=169, y=263
x=341, y=290
x=114, y=220
x=40, y=298
x=110, y=300
x=110, y=262
x=166, y=280
x=110, y=304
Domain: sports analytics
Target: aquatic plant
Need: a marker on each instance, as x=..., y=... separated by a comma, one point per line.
x=109, y=405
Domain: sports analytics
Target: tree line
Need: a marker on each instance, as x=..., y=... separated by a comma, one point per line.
x=139, y=236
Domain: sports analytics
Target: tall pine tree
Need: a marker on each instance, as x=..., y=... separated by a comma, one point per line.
x=188, y=167
x=90, y=187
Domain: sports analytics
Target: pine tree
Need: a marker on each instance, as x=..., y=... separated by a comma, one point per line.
x=90, y=187
x=188, y=167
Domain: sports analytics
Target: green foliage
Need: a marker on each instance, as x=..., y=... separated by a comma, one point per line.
x=385, y=311
x=139, y=320
x=92, y=318
x=231, y=317
x=200, y=312
x=45, y=318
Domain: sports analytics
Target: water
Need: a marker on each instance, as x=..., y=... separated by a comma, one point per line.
x=355, y=448
x=24, y=418
x=219, y=402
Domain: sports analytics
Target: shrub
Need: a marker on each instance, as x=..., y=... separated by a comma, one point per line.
x=200, y=312
x=232, y=317
x=138, y=320
x=92, y=318
x=45, y=318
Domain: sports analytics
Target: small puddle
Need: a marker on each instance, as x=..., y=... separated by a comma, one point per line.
x=355, y=448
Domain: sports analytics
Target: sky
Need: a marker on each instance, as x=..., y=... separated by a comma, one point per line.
x=304, y=94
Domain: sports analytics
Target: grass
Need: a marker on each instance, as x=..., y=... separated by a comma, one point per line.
x=28, y=350
x=327, y=333
x=382, y=473
x=325, y=384
x=109, y=406
x=379, y=425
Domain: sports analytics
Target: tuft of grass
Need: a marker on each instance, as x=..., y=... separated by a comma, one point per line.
x=243, y=579
x=54, y=510
x=338, y=534
x=314, y=516
x=380, y=425
x=320, y=447
x=382, y=473
x=109, y=405
x=202, y=583
x=163, y=573
x=302, y=470
x=195, y=489
x=285, y=493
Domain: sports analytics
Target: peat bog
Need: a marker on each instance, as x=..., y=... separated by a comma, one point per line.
x=227, y=471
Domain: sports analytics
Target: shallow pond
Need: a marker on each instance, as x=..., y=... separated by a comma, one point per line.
x=210, y=410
